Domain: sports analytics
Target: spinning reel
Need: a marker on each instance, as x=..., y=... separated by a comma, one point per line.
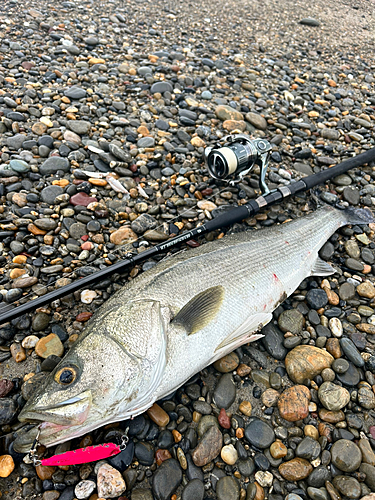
x=236, y=158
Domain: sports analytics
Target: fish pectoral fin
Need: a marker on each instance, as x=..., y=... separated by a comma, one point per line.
x=322, y=268
x=200, y=310
x=242, y=333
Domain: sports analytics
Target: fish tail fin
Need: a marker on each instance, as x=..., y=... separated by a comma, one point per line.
x=360, y=216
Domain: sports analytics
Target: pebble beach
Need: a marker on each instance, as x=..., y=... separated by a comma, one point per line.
x=105, y=111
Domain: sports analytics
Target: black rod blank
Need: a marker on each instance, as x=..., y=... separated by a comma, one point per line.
x=237, y=214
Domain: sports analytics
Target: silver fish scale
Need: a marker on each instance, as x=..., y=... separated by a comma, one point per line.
x=257, y=269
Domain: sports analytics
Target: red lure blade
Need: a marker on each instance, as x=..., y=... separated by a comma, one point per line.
x=83, y=455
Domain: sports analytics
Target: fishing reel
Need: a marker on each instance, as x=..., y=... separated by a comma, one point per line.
x=235, y=156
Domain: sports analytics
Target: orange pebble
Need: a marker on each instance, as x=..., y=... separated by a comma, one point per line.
x=35, y=230
x=239, y=433
x=177, y=436
x=98, y=182
x=20, y=259
x=16, y=273
x=60, y=182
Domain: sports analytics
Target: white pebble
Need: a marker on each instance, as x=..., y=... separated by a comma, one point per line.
x=264, y=478
x=229, y=454
x=335, y=326
x=87, y=296
x=206, y=205
x=30, y=341
x=84, y=489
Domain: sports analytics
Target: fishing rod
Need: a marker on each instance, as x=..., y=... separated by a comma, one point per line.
x=238, y=156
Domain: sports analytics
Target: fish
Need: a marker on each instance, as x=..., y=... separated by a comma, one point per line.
x=173, y=320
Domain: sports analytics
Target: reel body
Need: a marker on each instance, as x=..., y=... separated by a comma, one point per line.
x=237, y=156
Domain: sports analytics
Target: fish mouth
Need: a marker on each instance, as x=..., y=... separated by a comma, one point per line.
x=55, y=424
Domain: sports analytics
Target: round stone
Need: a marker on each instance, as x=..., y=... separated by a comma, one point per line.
x=317, y=298
x=293, y=403
x=259, y=433
x=304, y=362
x=227, y=364
x=292, y=321
x=50, y=193
x=227, y=488
x=194, y=490
x=6, y=465
x=346, y=455
x=332, y=396
x=84, y=489
x=229, y=454
x=295, y=469
x=225, y=391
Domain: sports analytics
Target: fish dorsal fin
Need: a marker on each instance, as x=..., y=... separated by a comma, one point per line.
x=242, y=333
x=322, y=268
x=200, y=310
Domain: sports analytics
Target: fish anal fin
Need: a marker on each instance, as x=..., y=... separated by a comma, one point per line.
x=322, y=268
x=242, y=334
x=200, y=310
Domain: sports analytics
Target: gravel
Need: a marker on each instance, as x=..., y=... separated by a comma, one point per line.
x=105, y=112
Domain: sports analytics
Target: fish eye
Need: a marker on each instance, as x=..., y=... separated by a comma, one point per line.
x=66, y=375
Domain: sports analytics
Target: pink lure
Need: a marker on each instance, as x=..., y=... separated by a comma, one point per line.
x=83, y=455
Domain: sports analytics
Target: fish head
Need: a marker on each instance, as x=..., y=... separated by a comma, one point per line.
x=82, y=393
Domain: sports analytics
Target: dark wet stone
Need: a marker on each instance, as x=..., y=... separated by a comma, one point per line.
x=53, y=165
x=327, y=251
x=40, y=321
x=194, y=490
x=346, y=455
x=225, y=391
x=273, y=341
x=261, y=462
x=340, y=365
x=246, y=466
x=369, y=470
x=292, y=321
x=227, y=488
x=50, y=363
x=348, y=486
x=351, y=377
x=75, y=93
x=256, y=355
x=309, y=21
x=8, y=410
x=49, y=194
x=67, y=494
x=192, y=471
x=141, y=494
x=259, y=433
x=351, y=352
x=308, y=448
x=319, y=476
x=166, y=479
x=316, y=298
x=161, y=87
x=144, y=452
x=354, y=264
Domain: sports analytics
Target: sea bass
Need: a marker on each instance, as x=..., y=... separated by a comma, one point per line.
x=172, y=321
